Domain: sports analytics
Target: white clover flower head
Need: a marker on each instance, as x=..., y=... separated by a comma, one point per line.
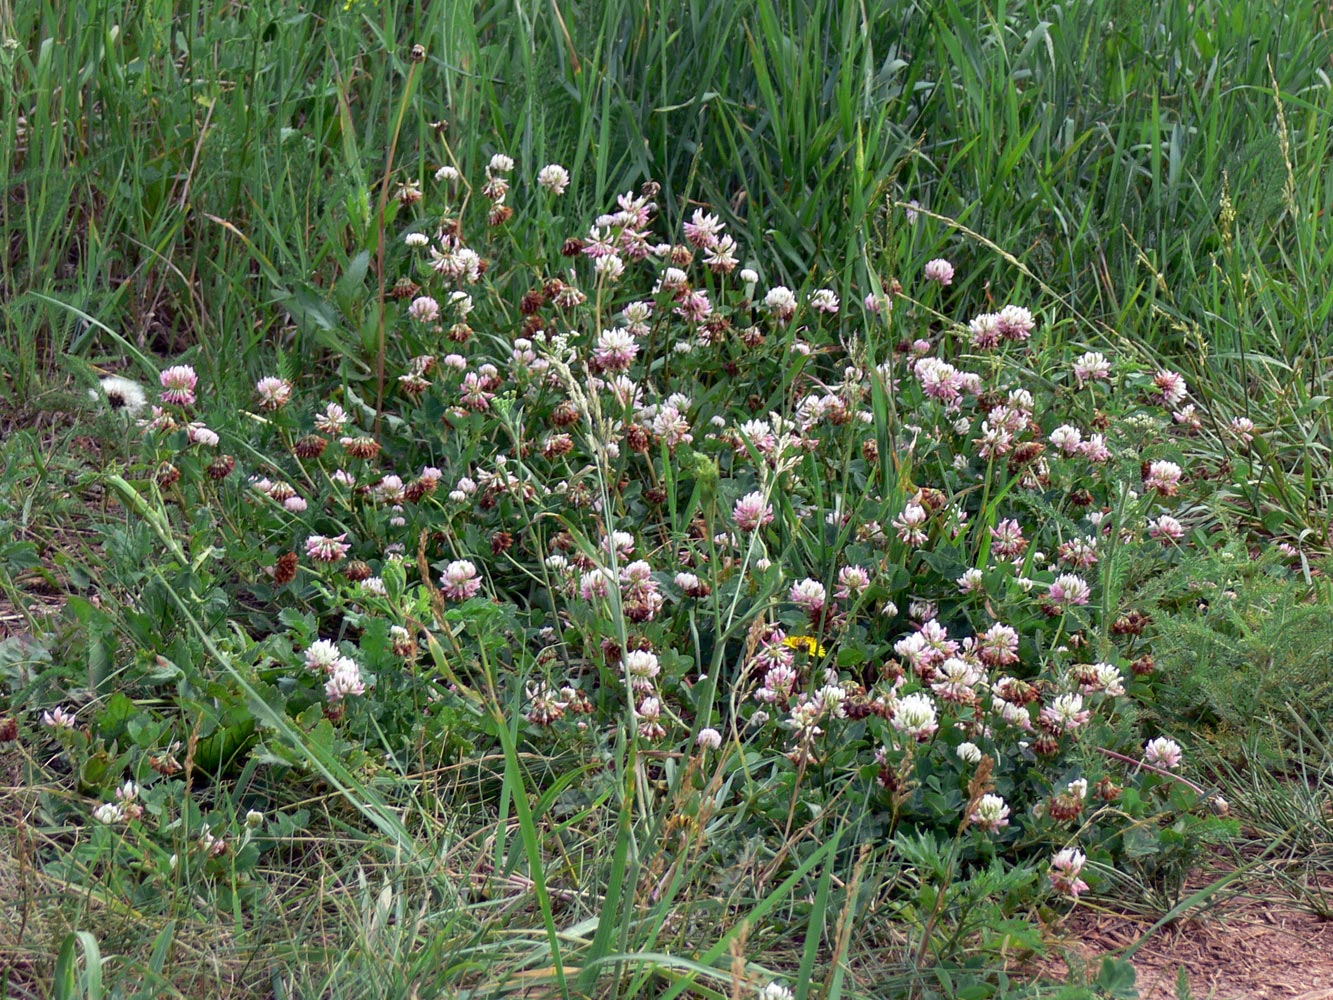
x=322, y=656
x=775, y=991
x=200, y=434
x=915, y=716
x=416, y=240
x=824, y=300
x=447, y=174
x=969, y=753
x=553, y=178
x=781, y=302
x=109, y=813
x=991, y=812
x=500, y=164
x=1090, y=366
x=708, y=739
x=970, y=581
x=749, y=276
x=1110, y=679
x=642, y=664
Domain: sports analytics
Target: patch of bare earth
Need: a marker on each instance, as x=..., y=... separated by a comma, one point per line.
x=1240, y=949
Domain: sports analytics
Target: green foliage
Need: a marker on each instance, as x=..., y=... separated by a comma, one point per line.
x=228, y=186
x=1237, y=638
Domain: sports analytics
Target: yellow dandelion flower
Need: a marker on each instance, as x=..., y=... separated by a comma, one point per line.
x=806, y=642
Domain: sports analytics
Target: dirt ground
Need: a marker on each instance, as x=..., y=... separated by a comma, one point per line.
x=1241, y=949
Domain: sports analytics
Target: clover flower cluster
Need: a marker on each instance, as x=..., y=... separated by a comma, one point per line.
x=618, y=472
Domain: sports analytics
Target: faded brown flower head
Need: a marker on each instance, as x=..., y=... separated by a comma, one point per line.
x=284, y=570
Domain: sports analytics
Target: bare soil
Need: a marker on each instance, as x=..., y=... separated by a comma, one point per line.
x=1240, y=949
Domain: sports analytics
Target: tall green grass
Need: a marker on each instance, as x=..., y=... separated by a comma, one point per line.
x=1095, y=141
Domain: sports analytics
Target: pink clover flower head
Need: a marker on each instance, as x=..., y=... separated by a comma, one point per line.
x=1067, y=438
x=1163, y=753
x=703, y=229
x=991, y=812
x=474, y=392
x=1094, y=449
x=297, y=505
x=333, y=419
x=751, y=512
x=852, y=582
x=708, y=739
x=595, y=583
x=424, y=309
x=460, y=581
x=671, y=426
x=1170, y=387
x=1166, y=529
x=649, y=712
x=274, y=393
x=809, y=594
x=910, y=524
x=1066, y=867
x=778, y=684
x=344, y=680
x=1070, y=589
x=58, y=718
x=940, y=271
x=939, y=379
x=1007, y=539
x=327, y=549
x=957, y=679
x=998, y=646
x=1243, y=429
x=178, y=385
x=1164, y=477
x=616, y=350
